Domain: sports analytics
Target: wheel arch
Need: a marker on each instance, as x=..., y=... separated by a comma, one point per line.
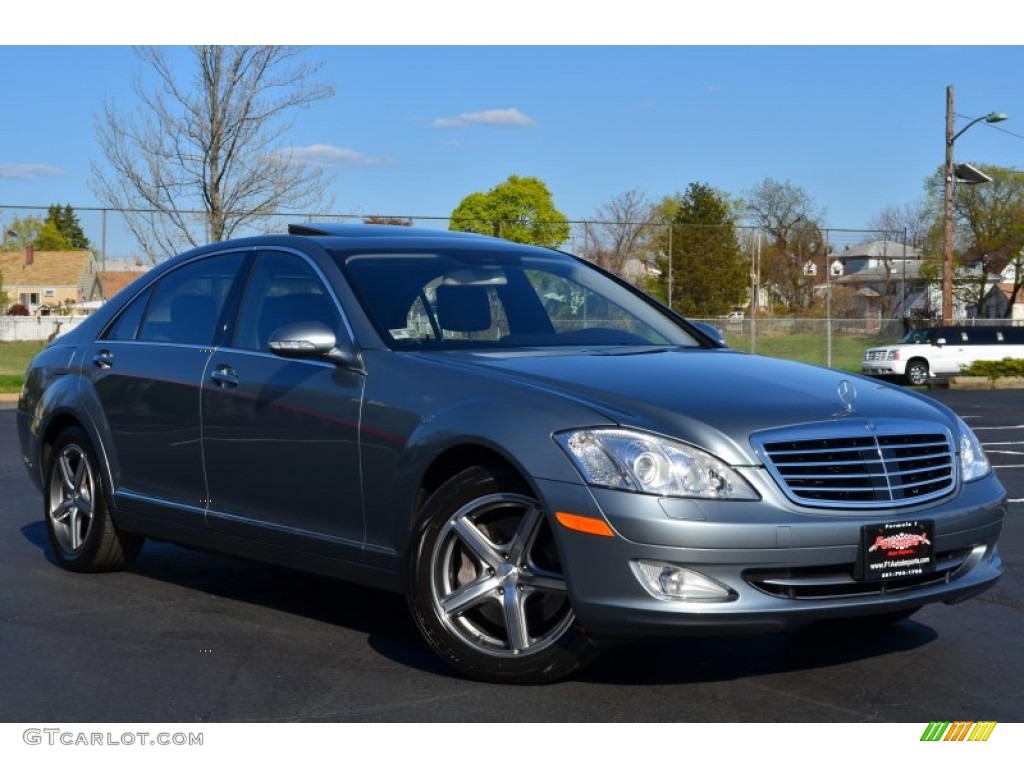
x=457, y=458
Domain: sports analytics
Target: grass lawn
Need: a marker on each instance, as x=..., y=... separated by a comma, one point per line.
x=847, y=350
x=14, y=358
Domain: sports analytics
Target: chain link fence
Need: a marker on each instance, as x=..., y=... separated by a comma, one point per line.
x=853, y=307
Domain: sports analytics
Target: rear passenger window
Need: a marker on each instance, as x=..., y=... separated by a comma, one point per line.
x=187, y=305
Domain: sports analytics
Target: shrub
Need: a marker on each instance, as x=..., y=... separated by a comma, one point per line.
x=995, y=369
x=18, y=310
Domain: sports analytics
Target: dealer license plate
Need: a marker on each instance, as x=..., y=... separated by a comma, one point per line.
x=896, y=550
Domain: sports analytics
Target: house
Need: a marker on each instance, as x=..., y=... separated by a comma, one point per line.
x=877, y=253
x=998, y=299
x=46, y=280
x=113, y=281
x=884, y=279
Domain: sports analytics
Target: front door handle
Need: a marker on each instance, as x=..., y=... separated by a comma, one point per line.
x=225, y=376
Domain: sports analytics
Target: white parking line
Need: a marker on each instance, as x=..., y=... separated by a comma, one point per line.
x=1018, y=426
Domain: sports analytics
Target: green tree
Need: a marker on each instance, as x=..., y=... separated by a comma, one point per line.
x=519, y=209
x=22, y=232
x=50, y=238
x=988, y=231
x=66, y=221
x=709, y=271
x=3, y=296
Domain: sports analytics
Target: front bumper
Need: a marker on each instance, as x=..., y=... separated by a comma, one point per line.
x=883, y=367
x=782, y=564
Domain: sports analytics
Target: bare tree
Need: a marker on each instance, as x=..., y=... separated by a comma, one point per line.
x=621, y=230
x=211, y=144
x=792, y=223
x=912, y=223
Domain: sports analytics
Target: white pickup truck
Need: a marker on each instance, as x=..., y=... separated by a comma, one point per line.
x=927, y=353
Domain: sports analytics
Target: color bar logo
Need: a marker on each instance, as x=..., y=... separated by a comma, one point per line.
x=958, y=731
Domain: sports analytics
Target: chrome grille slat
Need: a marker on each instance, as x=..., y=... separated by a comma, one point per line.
x=856, y=464
x=831, y=582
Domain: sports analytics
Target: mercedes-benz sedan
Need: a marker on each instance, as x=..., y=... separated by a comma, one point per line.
x=539, y=456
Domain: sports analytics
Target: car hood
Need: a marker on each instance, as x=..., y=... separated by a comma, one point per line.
x=713, y=398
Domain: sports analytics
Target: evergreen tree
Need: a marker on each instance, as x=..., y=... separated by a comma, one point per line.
x=709, y=272
x=65, y=220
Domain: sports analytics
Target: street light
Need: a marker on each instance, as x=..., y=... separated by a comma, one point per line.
x=951, y=175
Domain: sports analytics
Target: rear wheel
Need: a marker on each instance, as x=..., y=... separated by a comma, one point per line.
x=82, y=535
x=487, y=590
x=917, y=372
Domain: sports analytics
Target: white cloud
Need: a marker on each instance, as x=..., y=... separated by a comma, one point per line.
x=504, y=118
x=28, y=170
x=326, y=154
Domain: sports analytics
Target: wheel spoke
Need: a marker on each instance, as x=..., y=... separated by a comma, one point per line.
x=81, y=480
x=543, y=582
x=477, y=542
x=66, y=473
x=515, y=619
x=60, y=514
x=73, y=528
x=526, y=532
x=470, y=595
x=84, y=504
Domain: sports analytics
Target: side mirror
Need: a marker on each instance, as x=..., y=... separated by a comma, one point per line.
x=309, y=341
x=711, y=331
x=940, y=341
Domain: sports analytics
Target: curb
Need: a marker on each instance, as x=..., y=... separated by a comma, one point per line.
x=983, y=382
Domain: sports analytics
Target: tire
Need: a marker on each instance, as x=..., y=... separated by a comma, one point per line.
x=82, y=535
x=917, y=373
x=486, y=588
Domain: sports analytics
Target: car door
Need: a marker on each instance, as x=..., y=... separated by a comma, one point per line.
x=280, y=436
x=146, y=371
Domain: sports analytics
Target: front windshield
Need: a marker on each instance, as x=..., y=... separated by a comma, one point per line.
x=480, y=300
x=919, y=336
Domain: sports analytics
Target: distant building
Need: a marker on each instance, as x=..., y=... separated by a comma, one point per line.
x=45, y=281
x=885, y=279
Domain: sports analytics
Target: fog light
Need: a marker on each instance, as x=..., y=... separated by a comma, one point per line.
x=673, y=582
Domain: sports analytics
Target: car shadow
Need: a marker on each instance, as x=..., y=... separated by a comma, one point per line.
x=382, y=616
x=715, y=659
x=384, y=619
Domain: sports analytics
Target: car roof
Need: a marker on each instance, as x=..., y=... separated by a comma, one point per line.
x=332, y=229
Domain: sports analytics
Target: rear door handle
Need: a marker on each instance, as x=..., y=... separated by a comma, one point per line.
x=103, y=359
x=225, y=376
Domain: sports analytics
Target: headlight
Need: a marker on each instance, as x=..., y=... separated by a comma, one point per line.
x=973, y=461
x=634, y=461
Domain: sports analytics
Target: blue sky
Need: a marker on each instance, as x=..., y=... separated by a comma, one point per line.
x=412, y=129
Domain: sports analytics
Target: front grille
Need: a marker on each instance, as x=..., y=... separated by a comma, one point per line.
x=829, y=582
x=885, y=465
x=876, y=354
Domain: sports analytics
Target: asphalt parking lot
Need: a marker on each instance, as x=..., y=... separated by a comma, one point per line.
x=187, y=636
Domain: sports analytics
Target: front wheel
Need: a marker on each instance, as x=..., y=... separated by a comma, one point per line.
x=917, y=373
x=486, y=587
